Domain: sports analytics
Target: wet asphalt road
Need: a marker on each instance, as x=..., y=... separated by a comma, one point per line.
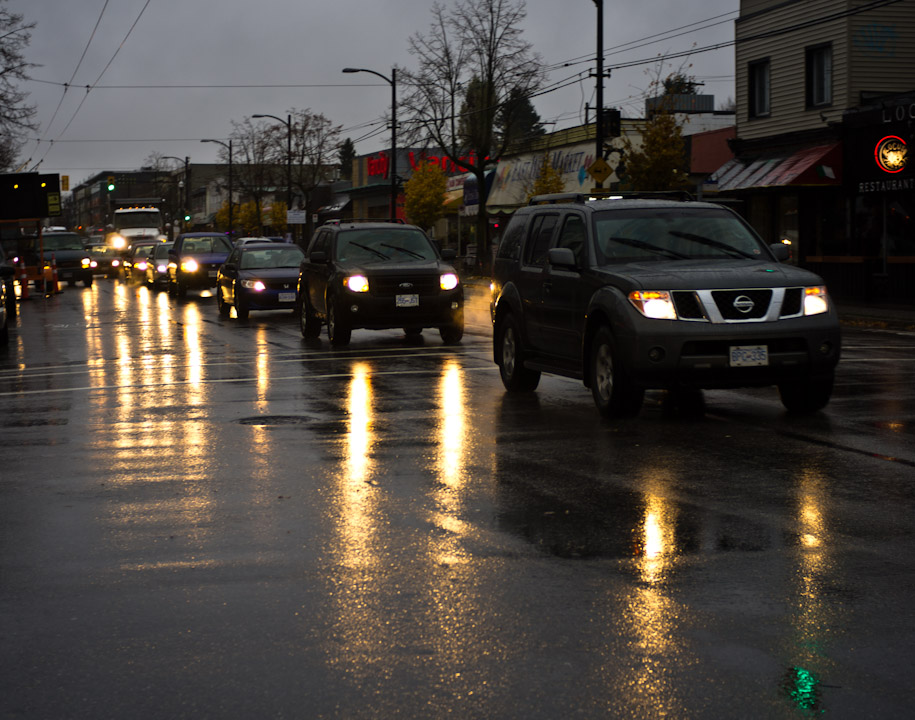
x=205, y=518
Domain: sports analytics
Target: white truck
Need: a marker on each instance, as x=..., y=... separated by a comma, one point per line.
x=135, y=220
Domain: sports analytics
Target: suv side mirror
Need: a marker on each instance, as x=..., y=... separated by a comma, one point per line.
x=781, y=251
x=318, y=256
x=562, y=257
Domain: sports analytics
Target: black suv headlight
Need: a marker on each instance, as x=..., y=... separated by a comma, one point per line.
x=655, y=304
x=816, y=301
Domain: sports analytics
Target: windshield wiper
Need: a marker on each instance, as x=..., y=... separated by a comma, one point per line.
x=404, y=250
x=711, y=243
x=648, y=246
x=371, y=250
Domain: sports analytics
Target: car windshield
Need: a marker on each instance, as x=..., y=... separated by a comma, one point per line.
x=161, y=250
x=673, y=234
x=381, y=244
x=63, y=241
x=210, y=244
x=264, y=258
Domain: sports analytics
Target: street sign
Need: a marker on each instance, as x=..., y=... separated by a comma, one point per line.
x=600, y=170
x=296, y=217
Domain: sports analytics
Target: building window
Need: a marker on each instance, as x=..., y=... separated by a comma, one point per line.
x=819, y=76
x=759, y=88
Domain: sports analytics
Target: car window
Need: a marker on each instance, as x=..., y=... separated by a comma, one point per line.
x=382, y=244
x=573, y=235
x=321, y=243
x=62, y=241
x=538, y=244
x=265, y=258
x=510, y=247
x=674, y=234
x=214, y=244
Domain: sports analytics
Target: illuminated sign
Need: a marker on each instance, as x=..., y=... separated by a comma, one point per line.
x=891, y=154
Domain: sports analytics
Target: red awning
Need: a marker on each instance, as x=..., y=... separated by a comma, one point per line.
x=820, y=165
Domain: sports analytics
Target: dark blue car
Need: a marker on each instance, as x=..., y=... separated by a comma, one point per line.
x=258, y=276
x=194, y=260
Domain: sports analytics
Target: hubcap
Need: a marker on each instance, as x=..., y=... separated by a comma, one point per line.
x=603, y=372
x=508, y=351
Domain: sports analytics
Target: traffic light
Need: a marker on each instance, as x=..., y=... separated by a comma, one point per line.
x=111, y=183
x=187, y=217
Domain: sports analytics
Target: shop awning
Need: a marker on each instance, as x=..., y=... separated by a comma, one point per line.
x=453, y=199
x=820, y=165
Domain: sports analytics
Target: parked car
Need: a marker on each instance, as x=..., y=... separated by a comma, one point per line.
x=7, y=279
x=378, y=275
x=157, y=266
x=628, y=295
x=258, y=276
x=135, y=262
x=4, y=316
x=194, y=261
x=74, y=264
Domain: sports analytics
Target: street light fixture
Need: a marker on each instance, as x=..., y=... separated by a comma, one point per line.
x=229, y=148
x=393, y=169
x=288, y=123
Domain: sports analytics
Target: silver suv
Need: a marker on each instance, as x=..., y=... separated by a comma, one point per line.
x=633, y=294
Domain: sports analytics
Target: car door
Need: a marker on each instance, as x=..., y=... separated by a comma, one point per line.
x=532, y=273
x=225, y=279
x=562, y=311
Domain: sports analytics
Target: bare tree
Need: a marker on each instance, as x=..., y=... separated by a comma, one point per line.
x=16, y=118
x=474, y=55
x=252, y=161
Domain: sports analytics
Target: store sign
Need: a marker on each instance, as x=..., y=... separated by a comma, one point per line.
x=891, y=154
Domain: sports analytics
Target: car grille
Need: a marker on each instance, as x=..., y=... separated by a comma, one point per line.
x=385, y=286
x=738, y=305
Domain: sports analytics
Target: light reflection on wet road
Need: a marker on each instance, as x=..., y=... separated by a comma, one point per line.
x=216, y=518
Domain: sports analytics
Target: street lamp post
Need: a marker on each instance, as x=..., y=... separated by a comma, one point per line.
x=187, y=182
x=393, y=168
x=288, y=123
x=229, y=148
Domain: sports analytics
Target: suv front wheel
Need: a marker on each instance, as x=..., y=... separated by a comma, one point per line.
x=611, y=388
x=515, y=377
x=338, y=332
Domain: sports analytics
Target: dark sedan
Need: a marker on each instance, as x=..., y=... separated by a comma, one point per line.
x=157, y=266
x=194, y=260
x=258, y=276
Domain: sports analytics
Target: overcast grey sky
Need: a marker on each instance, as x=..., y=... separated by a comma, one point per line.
x=235, y=58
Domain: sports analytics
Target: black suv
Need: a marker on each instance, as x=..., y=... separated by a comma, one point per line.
x=378, y=275
x=632, y=294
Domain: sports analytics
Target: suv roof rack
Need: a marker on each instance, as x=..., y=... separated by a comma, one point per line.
x=341, y=221
x=680, y=195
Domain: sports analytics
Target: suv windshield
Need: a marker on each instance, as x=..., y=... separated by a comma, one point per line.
x=214, y=244
x=63, y=241
x=378, y=245
x=673, y=234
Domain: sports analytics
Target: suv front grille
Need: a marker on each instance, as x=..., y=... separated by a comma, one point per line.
x=389, y=286
x=742, y=304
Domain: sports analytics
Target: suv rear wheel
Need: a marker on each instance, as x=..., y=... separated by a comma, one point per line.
x=611, y=388
x=515, y=377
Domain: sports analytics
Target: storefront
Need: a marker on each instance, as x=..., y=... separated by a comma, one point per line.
x=879, y=255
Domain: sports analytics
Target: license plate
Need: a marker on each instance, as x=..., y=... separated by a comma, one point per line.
x=287, y=297
x=749, y=355
x=212, y=273
x=407, y=301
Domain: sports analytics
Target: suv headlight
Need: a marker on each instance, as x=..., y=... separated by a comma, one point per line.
x=655, y=304
x=356, y=283
x=815, y=300
x=448, y=281
x=190, y=265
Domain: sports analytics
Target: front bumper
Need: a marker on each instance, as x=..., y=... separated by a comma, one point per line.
x=268, y=299
x=363, y=310
x=672, y=353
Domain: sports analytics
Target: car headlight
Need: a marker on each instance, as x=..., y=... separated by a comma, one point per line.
x=190, y=265
x=815, y=300
x=357, y=283
x=141, y=266
x=655, y=304
x=85, y=262
x=253, y=285
x=448, y=281
x=162, y=268
x=118, y=242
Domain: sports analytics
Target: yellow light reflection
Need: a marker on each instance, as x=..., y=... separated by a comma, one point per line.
x=262, y=364
x=658, y=543
x=359, y=438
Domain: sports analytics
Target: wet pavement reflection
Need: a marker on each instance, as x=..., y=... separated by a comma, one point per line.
x=381, y=526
